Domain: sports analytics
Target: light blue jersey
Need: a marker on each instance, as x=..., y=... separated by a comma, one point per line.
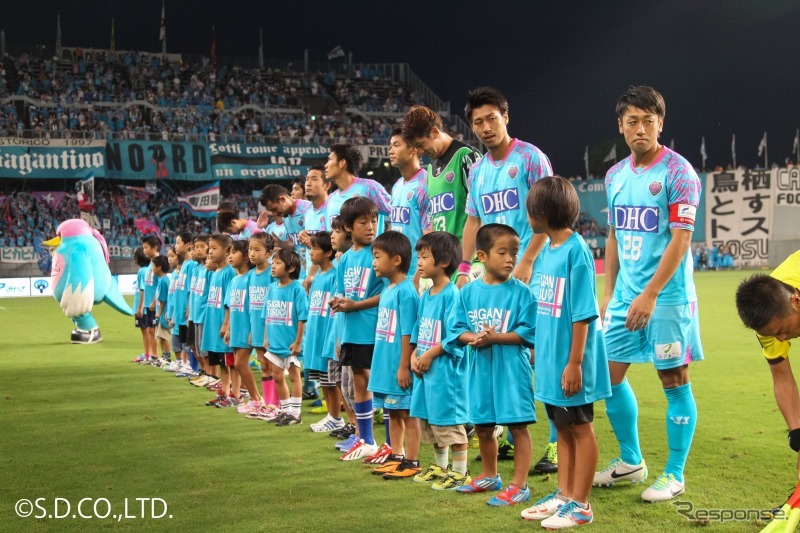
x=500, y=376
x=162, y=287
x=250, y=227
x=149, y=286
x=315, y=222
x=198, y=299
x=259, y=284
x=441, y=395
x=215, y=310
x=170, y=312
x=277, y=230
x=397, y=316
x=237, y=302
x=361, y=187
x=295, y=223
x=356, y=280
x=334, y=335
x=644, y=204
x=140, y=275
x=182, y=288
x=568, y=294
x=320, y=318
x=284, y=309
x=411, y=211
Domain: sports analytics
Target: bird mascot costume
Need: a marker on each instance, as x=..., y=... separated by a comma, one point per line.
x=81, y=278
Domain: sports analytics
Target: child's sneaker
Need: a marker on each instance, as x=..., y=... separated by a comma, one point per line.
x=481, y=484
x=273, y=416
x=344, y=433
x=512, y=495
x=434, y=473
x=452, y=481
x=545, y=507
x=217, y=398
x=380, y=457
x=404, y=470
x=548, y=464
x=390, y=463
x=359, y=451
x=142, y=357
x=288, y=420
x=665, y=488
x=321, y=408
x=569, y=515
x=345, y=445
x=263, y=412
x=249, y=407
x=617, y=471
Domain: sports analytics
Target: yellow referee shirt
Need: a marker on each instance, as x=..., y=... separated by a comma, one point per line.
x=789, y=273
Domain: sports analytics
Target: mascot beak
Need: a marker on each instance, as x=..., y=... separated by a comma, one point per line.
x=54, y=242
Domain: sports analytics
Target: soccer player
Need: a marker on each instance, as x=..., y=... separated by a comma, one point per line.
x=650, y=303
x=390, y=374
x=276, y=228
x=317, y=189
x=410, y=205
x=440, y=397
x=770, y=305
x=343, y=163
x=279, y=201
x=228, y=221
x=360, y=291
x=447, y=174
x=571, y=364
x=495, y=316
x=299, y=188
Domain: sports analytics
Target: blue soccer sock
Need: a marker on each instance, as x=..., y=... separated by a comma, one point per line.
x=623, y=414
x=386, y=423
x=193, y=360
x=681, y=421
x=553, y=432
x=364, y=418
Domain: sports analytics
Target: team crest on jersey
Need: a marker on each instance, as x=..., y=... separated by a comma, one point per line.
x=450, y=176
x=551, y=295
x=410, y=195
x=512, y=172
x=655, y=187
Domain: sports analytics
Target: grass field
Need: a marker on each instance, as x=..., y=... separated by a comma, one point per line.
x=82, y=422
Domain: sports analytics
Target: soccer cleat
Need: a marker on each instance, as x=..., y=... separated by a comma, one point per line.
x=310, y=394
x=548, y=464
x=322, y=408
x=379, y=457
x=274, y=416
x=80, y=336
x=343, y=433
x=617, y=471
x=377, y=416
x=217, y=398
x=452, y=481
x=481, y=484
x=288, y=420
x=317, y=403
x=512, y=495
x=390, y=463
x=404, y=470
x=545, y=507
x=327, y=424
x=569, y=515
x=345, y=445
x=359, y=451
x=665, y=488
x=433, y=473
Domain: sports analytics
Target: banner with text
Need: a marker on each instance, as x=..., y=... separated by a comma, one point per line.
x=22, y=254
x=264, y=161
x=51, y=158
x=137, y=160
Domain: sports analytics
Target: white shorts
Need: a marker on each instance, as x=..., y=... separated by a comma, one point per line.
x=281, y=362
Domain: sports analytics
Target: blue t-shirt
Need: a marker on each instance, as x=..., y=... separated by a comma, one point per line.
x=356, y=280
x=500, y=376
x=140, y=275
x=284, y=309
x=644, y=204
x=198, y=298
x=215, y=310
x=259, y=283
x=568, y=294
x=162, y=296
x=149, y=286
x=397, y=316
x=236, y=300
x=320, y=318
x=411, y=211
x=441, y=395
x=360, y=187
x=182, y=292
x=170, y=312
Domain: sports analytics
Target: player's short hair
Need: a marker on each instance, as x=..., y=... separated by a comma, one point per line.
x=321, y=168
x=643, y=97
x=760, y=298
x=349, y=154
x=152, y=241
x=267, y=240
x=397, y=131
x=331, y=184
x=445, y=248
x=225, y=218
x=291, y=259
x=222, y=239
x=489, y=233
x=355, y=208
x=485, y=96
x=185, y=237
x=299, y=180
x=555, y=200
x=322, y=240
x=272, y=193
x=395, y=244
x=419, y=121
x=139, y=258
x=201, y=238
x=161, y=262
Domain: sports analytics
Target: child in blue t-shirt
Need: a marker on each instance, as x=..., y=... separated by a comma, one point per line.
x=390, y=376
x=571, y=365
x=142, y=261
x=198, y=298
x=286, y=311
x=147, y=291
x=360, y=291
x=495, y=316
x=165, y=288
x=440, y=399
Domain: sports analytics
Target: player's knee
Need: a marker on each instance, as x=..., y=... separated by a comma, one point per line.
x=674, y=377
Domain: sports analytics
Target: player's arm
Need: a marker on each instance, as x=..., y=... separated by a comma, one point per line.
x=612, y=269
x=403, y=372
x=643, y=305
x=471, y=227
x=141, y=303
x=786, y=393
x=524, y=268
x=347, y=305
x=572, y=377
x=297, y=346
x=310, y=277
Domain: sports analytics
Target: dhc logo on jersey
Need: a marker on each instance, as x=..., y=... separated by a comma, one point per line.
x=294, y=238
x=442, y=202
x=636, y=218
x=401, y=215
x=499, y=201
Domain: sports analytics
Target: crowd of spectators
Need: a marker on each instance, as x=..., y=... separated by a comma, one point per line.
x=714, y=257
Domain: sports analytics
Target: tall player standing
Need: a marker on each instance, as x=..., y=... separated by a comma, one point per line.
x=650, y=303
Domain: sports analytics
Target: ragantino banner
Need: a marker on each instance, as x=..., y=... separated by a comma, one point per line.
x=45, y=158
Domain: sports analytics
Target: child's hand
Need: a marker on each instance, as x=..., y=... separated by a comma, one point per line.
x=571, y=379
x=415, y=367
x=403, y=377
x=171, y=323
x=152, y=308
x=295, y=348
x=222, y=332
x=139, y=313
x=484, y=338
x=334, y=303
x=346, y=305
x=338, y=352
x=424, y=362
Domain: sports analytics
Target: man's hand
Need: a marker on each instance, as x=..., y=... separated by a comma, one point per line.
x=305, y=238
x=603, y=307
x=640, y=311
x=263, y=220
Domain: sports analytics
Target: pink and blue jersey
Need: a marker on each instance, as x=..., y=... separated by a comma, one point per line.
x=411, y=210
x=237, y=301
x=644, y=204
x=250, y=227
x=315, y=221
x=284, y=309
x=258, y=286
x=295, y=223
x=277, y=230
x=397, y=316
x=361, y=187
x=568, y=294
x=320, y=320
x=355, y=279
x=215, y=310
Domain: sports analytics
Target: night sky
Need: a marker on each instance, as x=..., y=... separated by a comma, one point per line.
x=724, y=67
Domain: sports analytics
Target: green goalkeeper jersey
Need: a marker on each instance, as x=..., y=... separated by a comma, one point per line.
x=447, y=188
